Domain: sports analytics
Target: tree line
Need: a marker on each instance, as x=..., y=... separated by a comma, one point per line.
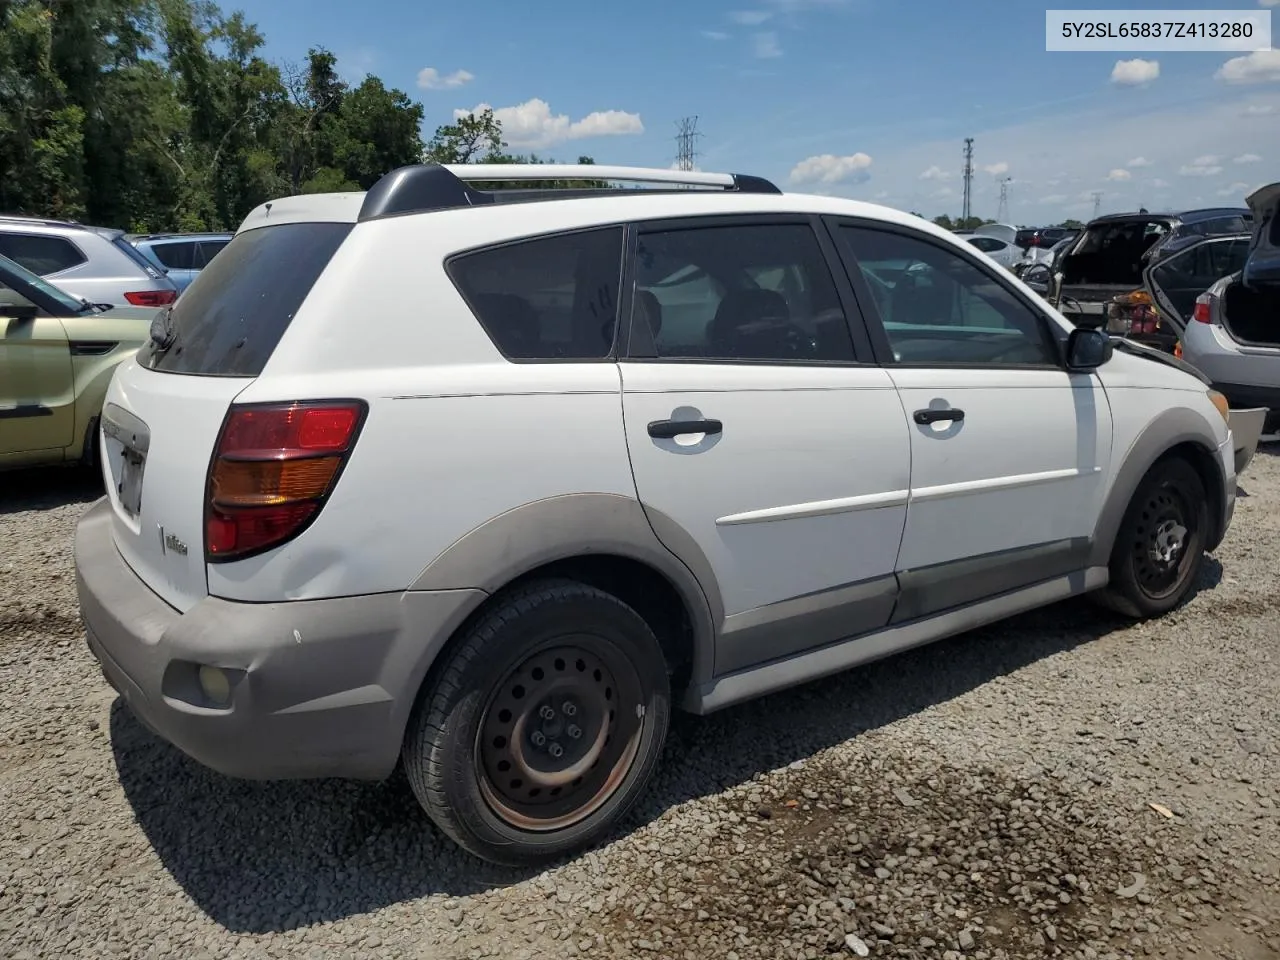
x=153, y=115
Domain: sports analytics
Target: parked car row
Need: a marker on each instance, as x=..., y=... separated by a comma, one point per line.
x=1201, y=284
x=105, y=265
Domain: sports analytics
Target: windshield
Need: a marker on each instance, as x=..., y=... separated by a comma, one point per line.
x=13, y=275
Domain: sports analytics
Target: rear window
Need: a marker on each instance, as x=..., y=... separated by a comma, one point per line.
x=233, y=315
x=134, y=254
x=551, y=298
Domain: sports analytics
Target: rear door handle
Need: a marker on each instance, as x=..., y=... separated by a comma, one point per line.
x=666, y=429
x=933, y=416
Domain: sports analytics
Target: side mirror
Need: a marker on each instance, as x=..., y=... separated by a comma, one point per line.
x=1087, y=349
x=21, y=312
x=1038, y=277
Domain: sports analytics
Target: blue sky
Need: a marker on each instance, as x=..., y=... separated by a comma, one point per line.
x=862, y=98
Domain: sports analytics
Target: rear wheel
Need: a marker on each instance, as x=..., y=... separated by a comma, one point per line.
x=1160, y=546
x=543, y=727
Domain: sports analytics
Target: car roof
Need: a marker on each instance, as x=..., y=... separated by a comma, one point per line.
x=41, y=225
x=147, y=237
x=550, y=210
x=1186, y=216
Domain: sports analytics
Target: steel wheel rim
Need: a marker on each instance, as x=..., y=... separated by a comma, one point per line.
x=1160, y=548
x=559, y=734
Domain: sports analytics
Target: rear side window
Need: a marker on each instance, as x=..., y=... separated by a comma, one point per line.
x=208, y=249
x=233, y=315
x=42, y=255
x=175, y=256
x=551, y=298
x=136, y=255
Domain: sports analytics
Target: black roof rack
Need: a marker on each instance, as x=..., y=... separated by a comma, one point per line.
x=430, y=186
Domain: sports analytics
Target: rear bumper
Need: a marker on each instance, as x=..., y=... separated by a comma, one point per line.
x=320, y=688
x=1244, y=395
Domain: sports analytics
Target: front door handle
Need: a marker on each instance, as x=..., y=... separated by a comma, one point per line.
x=667, y=429
x=925, y=417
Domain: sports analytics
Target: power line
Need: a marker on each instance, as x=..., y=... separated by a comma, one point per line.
x=968, y=178
x=1002, y=216
x=686, y=140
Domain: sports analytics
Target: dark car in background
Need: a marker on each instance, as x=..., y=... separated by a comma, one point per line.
x=1098, y=279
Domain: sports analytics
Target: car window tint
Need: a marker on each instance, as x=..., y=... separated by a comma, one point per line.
x=39, y=254
x=551, y=298
x=207, y=250
x=11, y=298
x=758, y=292
x=1201, y=267
x=175, y=256
x=231, y=318
x=939, y=308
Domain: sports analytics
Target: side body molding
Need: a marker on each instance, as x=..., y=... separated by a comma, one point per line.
x=575, y=525
x=1166, y=431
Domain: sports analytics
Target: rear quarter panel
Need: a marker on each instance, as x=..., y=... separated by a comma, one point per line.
x=125, y=331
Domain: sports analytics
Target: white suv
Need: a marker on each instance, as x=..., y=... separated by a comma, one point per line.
x=487, y=481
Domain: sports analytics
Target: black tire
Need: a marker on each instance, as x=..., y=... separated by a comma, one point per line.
x=1153, y=567
x=471, y=752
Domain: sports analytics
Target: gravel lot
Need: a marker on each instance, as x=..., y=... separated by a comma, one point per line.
x=987, y=797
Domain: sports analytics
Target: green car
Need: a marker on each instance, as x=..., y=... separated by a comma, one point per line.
x=57, y=355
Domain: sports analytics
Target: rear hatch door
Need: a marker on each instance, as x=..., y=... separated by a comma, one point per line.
x=165, y=408
x=1176, y=281
x=1263, y=266
x=1106, y=261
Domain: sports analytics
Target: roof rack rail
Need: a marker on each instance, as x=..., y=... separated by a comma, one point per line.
x=430, y=186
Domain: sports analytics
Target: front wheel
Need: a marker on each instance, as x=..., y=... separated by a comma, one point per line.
x=543, y=727
x=1160, y=546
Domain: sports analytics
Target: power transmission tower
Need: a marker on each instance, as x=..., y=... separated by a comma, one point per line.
x=1002, y=215
x=686, y=140
x=968, y=178
x=1097, y=203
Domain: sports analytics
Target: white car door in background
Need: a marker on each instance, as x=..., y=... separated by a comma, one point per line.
x=1009, y=451
x=766, y=456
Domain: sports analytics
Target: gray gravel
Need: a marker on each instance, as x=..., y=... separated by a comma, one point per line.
x=1001, y=795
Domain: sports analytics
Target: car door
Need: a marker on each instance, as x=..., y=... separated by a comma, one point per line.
x=1175, y=282
x=770, y=454
x=37, y=389
x=1009, y=451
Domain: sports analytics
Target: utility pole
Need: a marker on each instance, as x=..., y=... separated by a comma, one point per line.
x=968, y=179
x=1002, y=215
x=686, y=139
x=1097, y=203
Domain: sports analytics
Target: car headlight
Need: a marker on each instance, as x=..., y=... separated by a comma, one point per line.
x=1219, y=401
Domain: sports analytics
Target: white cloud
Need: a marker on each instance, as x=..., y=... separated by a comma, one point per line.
x=1237, y=189
x=1160, y=184
x=749, y=18
x=715, y=34
x=1261, y=66
x=828, y=168
x=1248, y=157
x=936, y=173
x=1119, y=173
x=1205, y=166
x=881, y=194
x=1054, y=198
x=1138, y=162
x=1269, y=3
x=532, y=124
x=765, y=45
x=1132, y=73
x=995, y=169
x=943, y=193
x=1258, y=110
x=429, y=78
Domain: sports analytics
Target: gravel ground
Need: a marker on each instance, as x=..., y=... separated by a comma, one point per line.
x=1058, y=785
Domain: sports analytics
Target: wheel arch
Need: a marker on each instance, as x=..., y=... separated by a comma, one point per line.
x=604, y=540
x=1180, y=433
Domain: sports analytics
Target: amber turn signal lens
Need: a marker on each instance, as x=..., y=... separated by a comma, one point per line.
x=1220, y=402
x=264, y=483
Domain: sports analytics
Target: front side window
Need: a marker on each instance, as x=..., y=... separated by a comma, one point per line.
x=938, y=308
x=550, y=298
x=757, y=292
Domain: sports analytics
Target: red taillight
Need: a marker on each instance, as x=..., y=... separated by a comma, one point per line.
x=1201, y=314
x=151, y=298
x=273, y=468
